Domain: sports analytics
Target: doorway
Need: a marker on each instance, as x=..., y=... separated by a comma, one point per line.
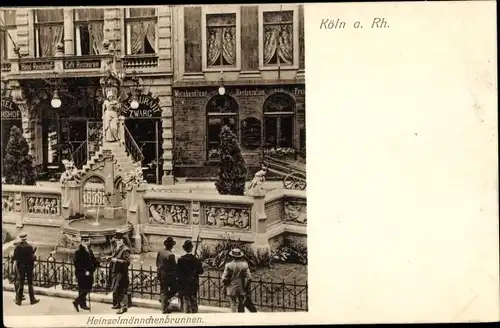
x=147, y=134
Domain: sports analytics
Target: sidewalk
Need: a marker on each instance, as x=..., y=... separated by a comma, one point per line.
x=59, y=300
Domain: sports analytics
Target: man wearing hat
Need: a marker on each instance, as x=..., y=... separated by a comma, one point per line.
x=167, y=273
x=14, y=278
x=24, y=257
x=236, y=279
x=120, y=261
x=189, y=268
x=85, y=265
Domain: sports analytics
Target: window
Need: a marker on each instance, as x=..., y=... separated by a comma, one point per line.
x=221, y=40
x=140, y=25
x=8, y=36
x=49, y=31
x=89, y=31
x=279, y=112
x=221, y=110
x=278, y=38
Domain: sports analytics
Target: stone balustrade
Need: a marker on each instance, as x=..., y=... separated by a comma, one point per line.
x=141, y=61
x=34, y=209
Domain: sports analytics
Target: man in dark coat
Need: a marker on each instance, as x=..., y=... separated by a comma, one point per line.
x=189, y=269
x=14, y=277
x=85, y=266
x=167, y=273
x=120, y=261
x=24, y=257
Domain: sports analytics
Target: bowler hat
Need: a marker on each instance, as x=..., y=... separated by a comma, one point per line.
x=236, y=253
x=169, y=241
x=188, y=245
x=119, y=235
x=23, y=236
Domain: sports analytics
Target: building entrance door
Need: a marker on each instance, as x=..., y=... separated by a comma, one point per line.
x=147, y=134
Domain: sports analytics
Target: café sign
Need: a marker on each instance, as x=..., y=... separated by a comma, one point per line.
x=10, y=110
x=148, y=107
x=241, y=92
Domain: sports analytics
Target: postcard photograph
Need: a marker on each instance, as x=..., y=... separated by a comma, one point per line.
x=153, y=160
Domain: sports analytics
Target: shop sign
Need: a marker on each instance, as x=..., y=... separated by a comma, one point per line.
x=37, y=66
x=148, y=107
x=10, y=110
x=240, y=92
x=82, y=63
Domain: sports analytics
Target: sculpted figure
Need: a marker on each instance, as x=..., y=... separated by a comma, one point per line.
x=71, y=173
x=259, y=179
x=110, y=109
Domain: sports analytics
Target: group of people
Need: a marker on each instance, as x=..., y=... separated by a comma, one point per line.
x=176, y=276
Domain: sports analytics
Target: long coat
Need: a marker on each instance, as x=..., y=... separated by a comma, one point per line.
x=189, y=268
x=235, y=276
x=85, y=261
x=165, y=265
x=119, y=269
x=24, y=257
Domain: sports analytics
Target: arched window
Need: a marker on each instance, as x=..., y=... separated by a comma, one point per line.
x=221, y=110
x=279, y=110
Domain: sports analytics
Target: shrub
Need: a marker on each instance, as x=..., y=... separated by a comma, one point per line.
x=218, y=258
x=232, y=170
x=6, y=237
x=290, y=252
x=18, y=163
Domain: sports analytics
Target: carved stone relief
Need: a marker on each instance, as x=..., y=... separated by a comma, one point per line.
x=43, y=205
x=195, y=213
x=227, y=217
x=168, y=214
x=9, y=203
x=295, y=212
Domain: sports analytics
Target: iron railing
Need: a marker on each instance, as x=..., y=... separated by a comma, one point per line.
x=268, y=296
x=88, y=148
x=132, y=147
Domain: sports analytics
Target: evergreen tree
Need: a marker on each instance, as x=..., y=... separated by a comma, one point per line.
x=18, y=163
x=232, y=171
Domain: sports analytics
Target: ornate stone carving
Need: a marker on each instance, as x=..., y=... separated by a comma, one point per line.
x=295, y=212
x=71, y=173
x=43, y=205
x=220, y=217
x=9, y=203
x=257, y=184
x=136, y=177
x=168, y=214
x=195, y=213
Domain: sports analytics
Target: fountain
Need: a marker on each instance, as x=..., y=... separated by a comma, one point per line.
x=112, y=168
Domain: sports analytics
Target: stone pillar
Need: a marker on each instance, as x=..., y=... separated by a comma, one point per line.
x=113, y=207
x=259, y=222
x=70, y=199
x=135, y=209
x=69, y=32
x=167, y=135
x=19, y=97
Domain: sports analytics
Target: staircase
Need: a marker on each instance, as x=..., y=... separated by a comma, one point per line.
x=125, y=152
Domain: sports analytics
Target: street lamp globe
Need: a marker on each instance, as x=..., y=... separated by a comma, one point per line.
x=222, y=90
x=55, y=102
x=134, y=104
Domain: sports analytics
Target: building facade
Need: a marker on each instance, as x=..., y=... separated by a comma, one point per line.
x=240, y=66
x=52, y=63
x=191, y=69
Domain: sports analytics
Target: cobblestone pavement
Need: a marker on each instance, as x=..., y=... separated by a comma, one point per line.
x=59, y=306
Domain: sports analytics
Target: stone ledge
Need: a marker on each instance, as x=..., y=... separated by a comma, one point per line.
x=108, y=299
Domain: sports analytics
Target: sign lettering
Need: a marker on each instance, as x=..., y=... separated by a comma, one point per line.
x=37, y=66
x=148, y=107
x=10, y=109
x=82, y=64
x=240, y=92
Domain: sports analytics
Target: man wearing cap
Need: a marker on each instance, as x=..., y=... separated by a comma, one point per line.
x=167, y=273
x=189, y=269
x=24, y=256
x=236, y=279
x=120, y=261
x=85, y=265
